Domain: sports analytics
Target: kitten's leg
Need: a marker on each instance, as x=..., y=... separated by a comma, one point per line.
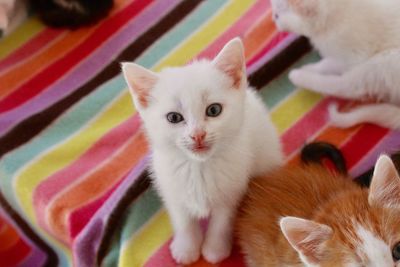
x=325, y=66
x=218, y=242
x=343, y=86
x=186, y=245
x=385, y=115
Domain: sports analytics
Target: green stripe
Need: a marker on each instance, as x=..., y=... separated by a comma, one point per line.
x=138, y=214
x=178, y=34
x=86, y=109
x=277, y=90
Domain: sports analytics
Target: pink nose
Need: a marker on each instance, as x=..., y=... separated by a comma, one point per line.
x=198, y=136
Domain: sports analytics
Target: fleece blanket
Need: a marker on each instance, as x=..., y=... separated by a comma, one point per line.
x=74, y=190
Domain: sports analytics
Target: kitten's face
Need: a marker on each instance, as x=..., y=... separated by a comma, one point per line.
x=361, y=229
x=297, y=16
x=197, y=108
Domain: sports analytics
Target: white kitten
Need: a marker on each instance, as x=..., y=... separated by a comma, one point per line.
x=359, y=41
x=209, y=133
x=12, y=13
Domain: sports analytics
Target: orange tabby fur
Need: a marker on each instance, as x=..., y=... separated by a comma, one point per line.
x=313, y=193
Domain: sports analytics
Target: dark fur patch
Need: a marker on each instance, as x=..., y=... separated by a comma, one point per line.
x=56, y=15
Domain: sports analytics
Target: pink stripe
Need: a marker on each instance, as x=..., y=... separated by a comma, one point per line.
x=161, y=257
x=88, y=68
x=275, y=40
x=30, y=48
x=99, y=152
x=305, y=127
x=238, y=28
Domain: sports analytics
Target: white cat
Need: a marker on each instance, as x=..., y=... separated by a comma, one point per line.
x=359, y=41
x=12, y=13
x=209, y=133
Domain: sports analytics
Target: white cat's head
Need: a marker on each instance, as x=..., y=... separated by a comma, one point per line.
x=304, y=17
x=358, y=230
x=197, y=108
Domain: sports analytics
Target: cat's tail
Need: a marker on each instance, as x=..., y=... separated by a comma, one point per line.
x=386, y=115
x=316, y=152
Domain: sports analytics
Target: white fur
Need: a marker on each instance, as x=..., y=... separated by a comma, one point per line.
x=378, y=253
x=243, y=143
x=12, y=13
x=359, y=42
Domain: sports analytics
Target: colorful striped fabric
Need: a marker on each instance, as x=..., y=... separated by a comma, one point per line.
x=73, y=180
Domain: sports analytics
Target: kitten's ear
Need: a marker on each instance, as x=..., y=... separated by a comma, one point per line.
x=385, y=184
x=140, y=81
x=306, y=237
x=231, y=61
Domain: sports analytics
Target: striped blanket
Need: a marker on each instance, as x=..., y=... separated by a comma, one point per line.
x=74, y=189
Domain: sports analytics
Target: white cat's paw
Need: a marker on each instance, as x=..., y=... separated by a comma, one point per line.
x=339, y=119
x=185, y=250
x=296, y=77
x=216, y=249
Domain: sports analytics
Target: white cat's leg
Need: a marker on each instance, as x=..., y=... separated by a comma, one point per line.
x=186, y=244
x=325, y=66
x=343, y=86
x=218, y=241
x=385, y=115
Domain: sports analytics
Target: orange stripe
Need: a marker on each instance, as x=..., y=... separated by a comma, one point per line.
x=260, y=34
x=94, y=185
x=64, y=43
x=335, y=136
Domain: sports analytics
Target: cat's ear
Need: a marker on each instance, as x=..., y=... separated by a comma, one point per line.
x=231, y=61
x=385, y=184
x=306, y=237
x=140, y=81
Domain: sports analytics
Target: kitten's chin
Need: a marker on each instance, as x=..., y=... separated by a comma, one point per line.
x=199, y=154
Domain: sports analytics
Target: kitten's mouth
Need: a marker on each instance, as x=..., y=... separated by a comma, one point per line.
x=200, y=148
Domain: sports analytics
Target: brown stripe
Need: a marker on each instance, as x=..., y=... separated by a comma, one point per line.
x=52, y=259
x=280, y=63
x=33, y=125
x=114, y=222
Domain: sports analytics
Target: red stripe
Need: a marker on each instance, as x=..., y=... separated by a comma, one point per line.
x=29, y=48
x=96, y=154
x=53, y=72
x=269, y=45
x=14, y=255
x=362, y=142
x=80, y=217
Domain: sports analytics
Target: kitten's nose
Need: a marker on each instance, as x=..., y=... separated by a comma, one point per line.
x=198, y=136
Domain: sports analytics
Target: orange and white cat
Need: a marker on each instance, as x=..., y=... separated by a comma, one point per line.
x=308, y=216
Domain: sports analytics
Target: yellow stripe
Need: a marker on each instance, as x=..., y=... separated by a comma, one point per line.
x=292, y=108
x=145, y=242
x=20, y=36
x=206, y=34
x=58, y=158
x=69, y=151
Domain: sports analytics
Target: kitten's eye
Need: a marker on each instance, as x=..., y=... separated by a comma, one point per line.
x=174, y=117
x=214, y=110
x=396, y=252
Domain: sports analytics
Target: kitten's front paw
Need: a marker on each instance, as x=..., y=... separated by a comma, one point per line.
x=216, y=249
x=185, y=250
x=295, y=76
